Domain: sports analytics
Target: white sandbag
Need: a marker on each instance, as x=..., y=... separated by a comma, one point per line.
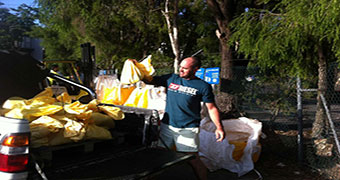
x=219, y=155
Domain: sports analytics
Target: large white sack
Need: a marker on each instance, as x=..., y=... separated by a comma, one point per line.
x=218, y=155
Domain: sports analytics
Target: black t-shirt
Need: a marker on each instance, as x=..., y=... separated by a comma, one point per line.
x=183, y=101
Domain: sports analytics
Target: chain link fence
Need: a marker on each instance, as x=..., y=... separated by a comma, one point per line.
x=274, y=101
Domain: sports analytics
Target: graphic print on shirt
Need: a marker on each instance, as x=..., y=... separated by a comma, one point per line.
x=182, y=89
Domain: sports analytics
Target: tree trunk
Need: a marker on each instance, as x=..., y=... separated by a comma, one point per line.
x=320, y=125
x=223, y=13
x=171, y=20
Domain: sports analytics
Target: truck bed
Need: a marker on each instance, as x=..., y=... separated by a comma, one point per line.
x=123, y=164
x=130, y=154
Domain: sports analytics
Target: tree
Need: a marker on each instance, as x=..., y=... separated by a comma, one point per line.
x=224, y=12
x=119, y=29
x=14, y=27
x=293, y=37
x=171, y=21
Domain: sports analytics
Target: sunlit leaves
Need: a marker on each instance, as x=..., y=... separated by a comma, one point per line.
x=287, y=36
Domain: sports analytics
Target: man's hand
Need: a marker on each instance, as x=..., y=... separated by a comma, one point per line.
x=133, y=60
x=219, y=135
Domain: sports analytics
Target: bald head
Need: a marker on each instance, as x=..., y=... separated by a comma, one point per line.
x=188, y=67
x=196, y=63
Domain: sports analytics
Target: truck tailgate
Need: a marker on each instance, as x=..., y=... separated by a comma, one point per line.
x=127, y=164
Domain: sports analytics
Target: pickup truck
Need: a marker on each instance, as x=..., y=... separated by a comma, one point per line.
x=130, y=154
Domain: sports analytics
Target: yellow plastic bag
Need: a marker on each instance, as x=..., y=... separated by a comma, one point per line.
x=84, y=116
x=35, y=112
x=138, y=98
x=75, y=108
x=15, y=113
x=64, y=97
x=130, y=73
x=146, y=68
x=74, y=130
x=114, y=112
x=92, y=105
x=117, y=95
x=50, y=123
x=14, y=102
x=103, y=82
x=40, y=101
x=133, y=72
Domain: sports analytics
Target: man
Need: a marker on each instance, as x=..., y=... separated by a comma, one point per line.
x=180, y=124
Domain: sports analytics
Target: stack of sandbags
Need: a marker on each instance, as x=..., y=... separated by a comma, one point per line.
x=111, y=90
x=130, y=90
x=55, y=121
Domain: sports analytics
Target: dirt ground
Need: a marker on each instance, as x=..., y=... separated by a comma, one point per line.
x=280, y=162
x=275, y=163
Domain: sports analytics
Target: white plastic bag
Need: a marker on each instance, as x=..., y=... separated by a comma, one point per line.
x=219, y=155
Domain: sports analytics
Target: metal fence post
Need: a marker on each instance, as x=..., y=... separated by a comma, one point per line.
x=300, y=122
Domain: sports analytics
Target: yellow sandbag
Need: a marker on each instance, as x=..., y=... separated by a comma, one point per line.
x=64, y=97
x=15, y=113
x=109, y=95
x=102, y=120
x=14, y=102
x=114, y=112
x=92, y=105
x=138, y=98
x=75, y=108
x=130, y=73
x=38, y=132
x=96, y=132
x=238, y=151
x=116, y=95
x=74, y=130
x=58, y=138
x=40, y=101
x=84, y=116
x=35, y=112
x=146, y=68
x=52, y=124
x=105, y=81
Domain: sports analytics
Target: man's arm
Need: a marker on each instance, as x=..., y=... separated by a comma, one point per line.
x=215, y=117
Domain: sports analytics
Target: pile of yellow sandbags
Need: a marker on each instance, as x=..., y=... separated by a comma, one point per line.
x=130, y=90
x=55, y=121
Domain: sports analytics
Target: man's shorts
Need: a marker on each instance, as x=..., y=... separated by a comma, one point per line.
x=184, y=139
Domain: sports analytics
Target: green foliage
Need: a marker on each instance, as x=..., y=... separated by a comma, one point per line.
x=118, y=29
x=14, y=27
x=286, y=36
x=123, y=29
